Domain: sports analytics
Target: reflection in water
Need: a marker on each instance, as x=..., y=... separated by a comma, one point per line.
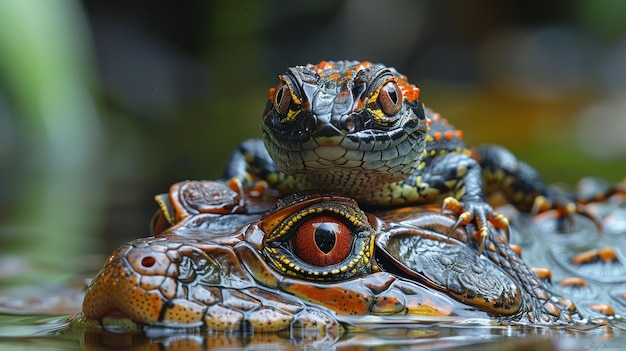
x=23, y=325
x=45, y=333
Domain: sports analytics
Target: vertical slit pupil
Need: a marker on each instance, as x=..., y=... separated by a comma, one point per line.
x=279, y=95
x=392, y=94
x=325, y=237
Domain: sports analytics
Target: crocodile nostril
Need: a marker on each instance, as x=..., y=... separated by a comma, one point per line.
x=148, y=261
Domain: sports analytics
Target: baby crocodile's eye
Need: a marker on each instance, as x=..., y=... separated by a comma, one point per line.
x=385, y=103
x=390, y=98
x=322, y=241
x=282, y=99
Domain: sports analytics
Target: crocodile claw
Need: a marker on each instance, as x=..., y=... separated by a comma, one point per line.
x=479, y=211
x=565, y=209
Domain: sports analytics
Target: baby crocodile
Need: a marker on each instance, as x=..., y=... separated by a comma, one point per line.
x=358, y=129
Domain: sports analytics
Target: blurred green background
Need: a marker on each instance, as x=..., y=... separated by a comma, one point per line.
x=103, y=104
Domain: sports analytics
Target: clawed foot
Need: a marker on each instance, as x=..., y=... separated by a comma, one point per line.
x=565, y=209
x=479, y=211
x=258, y=189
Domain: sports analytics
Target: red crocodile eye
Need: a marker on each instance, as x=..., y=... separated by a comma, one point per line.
x=390, y=98
x=282, y=99
x=322, y=241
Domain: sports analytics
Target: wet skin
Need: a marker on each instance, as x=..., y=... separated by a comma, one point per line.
x=276, y=271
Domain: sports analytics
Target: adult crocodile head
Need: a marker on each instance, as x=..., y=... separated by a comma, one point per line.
x=319, y=261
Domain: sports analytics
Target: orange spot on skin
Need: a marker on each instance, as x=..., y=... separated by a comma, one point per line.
x=543, y=273
x=458, y=134
x=363, y=65
x=323, y=66
x=344, y=93
x=334, y=76
x=574, y=281
x=449, y=135
x=479, y=239
x=476, y=156
x=437, y=136
x=606, y=254
x=551, y=309
x=585, y=257
x=567, y=304
x=387, y=305
x=517, y=249
x=359, y=105
x=602, y=308
x=409, y=91
x=336, y=298
x=272, y=93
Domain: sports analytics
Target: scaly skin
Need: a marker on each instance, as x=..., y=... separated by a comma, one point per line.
x=359, y=129
x=318, y=262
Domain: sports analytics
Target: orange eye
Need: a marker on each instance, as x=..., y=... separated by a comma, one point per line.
x=390, y=98
x=282, y=99
x=322, y=241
